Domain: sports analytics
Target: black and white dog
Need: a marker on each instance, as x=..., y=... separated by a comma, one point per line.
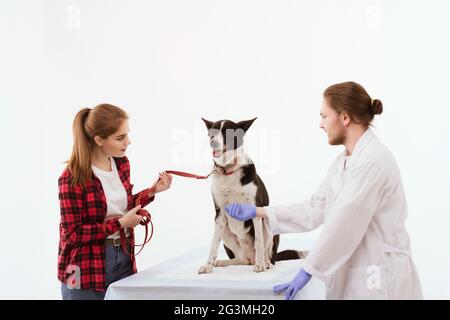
x=235, y=181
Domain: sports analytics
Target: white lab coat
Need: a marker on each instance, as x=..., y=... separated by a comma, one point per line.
x=363, y=251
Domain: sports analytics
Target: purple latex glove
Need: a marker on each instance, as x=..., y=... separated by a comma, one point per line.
x=297, y=284
x=241, y=212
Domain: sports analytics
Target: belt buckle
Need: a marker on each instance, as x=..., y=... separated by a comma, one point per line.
x=116, y=244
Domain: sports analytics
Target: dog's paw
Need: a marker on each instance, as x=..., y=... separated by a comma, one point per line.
x=207, y=268
x=221, y=263
x=269, y=265
x=259, y=268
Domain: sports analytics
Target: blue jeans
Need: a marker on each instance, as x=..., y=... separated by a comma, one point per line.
x=118, y=266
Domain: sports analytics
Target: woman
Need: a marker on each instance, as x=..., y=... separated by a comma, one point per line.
x=363, y=251
x=96, y=201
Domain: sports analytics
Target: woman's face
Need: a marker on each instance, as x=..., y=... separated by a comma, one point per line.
x=331, y=124
x=116, y=144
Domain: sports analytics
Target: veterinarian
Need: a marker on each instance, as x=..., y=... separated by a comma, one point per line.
x=96, y=201
x=363, y=251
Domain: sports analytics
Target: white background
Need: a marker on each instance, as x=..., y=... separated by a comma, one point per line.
x=169, y=63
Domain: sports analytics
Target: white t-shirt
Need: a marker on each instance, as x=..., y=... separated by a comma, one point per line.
x=116, y=196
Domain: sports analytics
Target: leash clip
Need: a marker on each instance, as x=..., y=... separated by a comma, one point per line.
x=214, y=171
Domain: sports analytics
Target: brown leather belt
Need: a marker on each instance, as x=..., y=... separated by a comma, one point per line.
x=113, y=242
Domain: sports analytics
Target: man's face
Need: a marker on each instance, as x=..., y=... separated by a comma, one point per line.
x=331, y=123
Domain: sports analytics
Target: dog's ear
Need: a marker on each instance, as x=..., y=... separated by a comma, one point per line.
x=208, y=124
x=244, y=125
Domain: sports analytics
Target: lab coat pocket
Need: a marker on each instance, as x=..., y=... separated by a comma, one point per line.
x=366, y=283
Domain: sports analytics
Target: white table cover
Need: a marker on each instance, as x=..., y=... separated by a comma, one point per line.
x=177, y=279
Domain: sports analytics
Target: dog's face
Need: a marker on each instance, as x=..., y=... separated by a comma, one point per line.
x=226, y=139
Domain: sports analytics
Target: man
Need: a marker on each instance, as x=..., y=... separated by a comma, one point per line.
x=363, y=251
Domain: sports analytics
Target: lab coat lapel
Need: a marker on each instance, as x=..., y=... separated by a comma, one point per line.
x=339, y=179
x=363, y=141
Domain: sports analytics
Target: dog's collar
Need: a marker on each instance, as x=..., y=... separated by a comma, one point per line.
x=224, y=170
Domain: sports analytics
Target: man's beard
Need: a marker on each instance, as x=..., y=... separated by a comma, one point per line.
x=338, y=139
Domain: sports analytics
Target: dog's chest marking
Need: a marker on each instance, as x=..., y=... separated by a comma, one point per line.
x=227, y=190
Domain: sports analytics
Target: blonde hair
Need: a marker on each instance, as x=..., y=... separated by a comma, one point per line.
x=102, y=120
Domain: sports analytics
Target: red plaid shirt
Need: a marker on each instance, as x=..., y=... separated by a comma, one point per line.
x=81, y=254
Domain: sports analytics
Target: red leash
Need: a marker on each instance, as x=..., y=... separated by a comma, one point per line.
x=147, y=218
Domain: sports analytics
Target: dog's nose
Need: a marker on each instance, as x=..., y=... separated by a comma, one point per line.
x=214, y=144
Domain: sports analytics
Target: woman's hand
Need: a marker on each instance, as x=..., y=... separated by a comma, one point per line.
x=163, y=183
x=131, y=219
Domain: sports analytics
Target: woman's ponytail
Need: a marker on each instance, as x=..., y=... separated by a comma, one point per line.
x=79, y=164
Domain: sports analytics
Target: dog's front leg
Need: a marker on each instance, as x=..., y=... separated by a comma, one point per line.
x=208, y=267
x=260, y=264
